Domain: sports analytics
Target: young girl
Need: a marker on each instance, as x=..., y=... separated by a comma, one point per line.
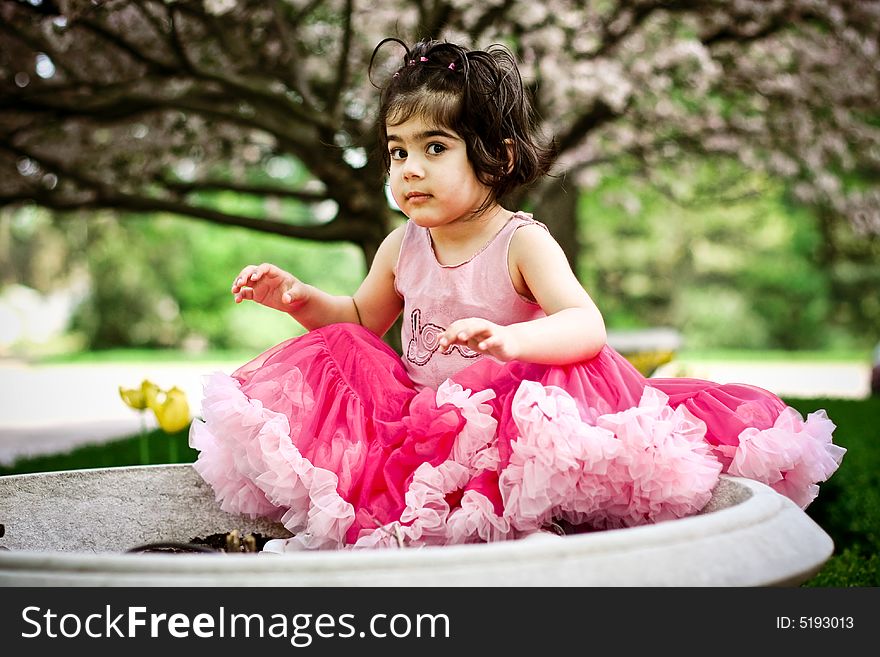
x=507, y=412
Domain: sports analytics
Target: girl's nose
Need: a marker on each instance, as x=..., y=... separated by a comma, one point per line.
x=412, y=169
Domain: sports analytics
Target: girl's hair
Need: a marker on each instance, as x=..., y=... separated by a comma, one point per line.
x=477, y=93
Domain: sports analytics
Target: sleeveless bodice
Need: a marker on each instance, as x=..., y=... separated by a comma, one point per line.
x=435, y=295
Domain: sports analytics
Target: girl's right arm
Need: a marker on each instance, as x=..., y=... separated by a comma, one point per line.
x=375, y=305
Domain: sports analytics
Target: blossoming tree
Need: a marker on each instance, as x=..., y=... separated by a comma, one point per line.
x=157, y=105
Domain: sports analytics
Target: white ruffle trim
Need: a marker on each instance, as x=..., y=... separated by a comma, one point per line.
x=247, y=456
x=645, y=464
x=790, y=457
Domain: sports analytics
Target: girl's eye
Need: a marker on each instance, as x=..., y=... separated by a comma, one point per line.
x=397, y=153
x=436, y=149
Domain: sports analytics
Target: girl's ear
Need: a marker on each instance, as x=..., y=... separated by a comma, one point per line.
x=511, y=155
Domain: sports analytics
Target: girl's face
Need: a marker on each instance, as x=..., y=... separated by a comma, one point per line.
x=432, y=179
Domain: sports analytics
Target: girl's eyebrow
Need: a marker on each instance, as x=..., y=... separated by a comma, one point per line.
x=422, y=136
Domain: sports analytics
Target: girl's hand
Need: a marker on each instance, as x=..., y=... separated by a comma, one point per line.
x=270, y=286
x=482, y=336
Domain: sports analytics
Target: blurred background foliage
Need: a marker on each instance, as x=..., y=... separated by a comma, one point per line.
x=747, y=271
x=156, y=281
x=717, y=162
x=755, y=272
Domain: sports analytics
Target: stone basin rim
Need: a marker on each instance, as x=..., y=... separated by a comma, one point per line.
x=759, y=514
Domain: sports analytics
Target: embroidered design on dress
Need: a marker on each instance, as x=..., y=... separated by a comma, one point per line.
x=426, y=340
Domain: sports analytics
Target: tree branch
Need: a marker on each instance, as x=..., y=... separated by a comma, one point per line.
x=342, y=64
x=489, y=17
x=638, y=14
x=254, y=190
x=28, y=40
x=235, y=87
x=294, y=72
x=154, y=20
x=105, y=196
x=206, y=105
x=434, y=20
x=177, y=43
x=121, y=44
x=599, y=114
x=334, y=231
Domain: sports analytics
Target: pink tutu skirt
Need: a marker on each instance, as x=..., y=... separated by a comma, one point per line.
x=326, y=434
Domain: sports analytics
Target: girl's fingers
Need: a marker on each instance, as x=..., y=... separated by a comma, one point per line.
x=250, y=274
x=453, y=337
x=291, y=294
x=297, y=295
x=478, y=333
x=489, y=343
x=258, y=273
x=465, y=334
x=242, y=278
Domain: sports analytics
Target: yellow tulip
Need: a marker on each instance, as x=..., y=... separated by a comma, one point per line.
x=647, y=362
x=133, y=398
x=150, y=391
x=140, y=398
x=172, y=412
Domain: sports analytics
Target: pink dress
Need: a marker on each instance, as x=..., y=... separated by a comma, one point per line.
x=349, y=445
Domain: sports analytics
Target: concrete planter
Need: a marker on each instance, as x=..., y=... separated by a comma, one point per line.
x=73, y=528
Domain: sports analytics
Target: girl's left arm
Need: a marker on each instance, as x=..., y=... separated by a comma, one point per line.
x=573, y=329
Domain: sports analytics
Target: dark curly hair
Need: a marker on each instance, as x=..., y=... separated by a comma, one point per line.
x=477, y=93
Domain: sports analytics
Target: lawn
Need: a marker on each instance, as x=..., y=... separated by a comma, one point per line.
x=848, y=506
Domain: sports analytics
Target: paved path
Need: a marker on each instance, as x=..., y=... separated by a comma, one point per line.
x=797, y=379
x=52, y=408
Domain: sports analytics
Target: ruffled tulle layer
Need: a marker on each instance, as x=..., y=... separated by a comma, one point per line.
x=327, y=434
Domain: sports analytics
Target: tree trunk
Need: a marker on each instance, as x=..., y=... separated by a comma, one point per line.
x=555, y=205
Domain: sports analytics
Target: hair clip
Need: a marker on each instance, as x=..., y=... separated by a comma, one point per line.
x=423, y=59
x=412, y=62
x=452, y=66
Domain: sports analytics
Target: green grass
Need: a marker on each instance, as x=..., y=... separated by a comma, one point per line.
x=847, y=508
x=150, y=448
x=848, y=505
